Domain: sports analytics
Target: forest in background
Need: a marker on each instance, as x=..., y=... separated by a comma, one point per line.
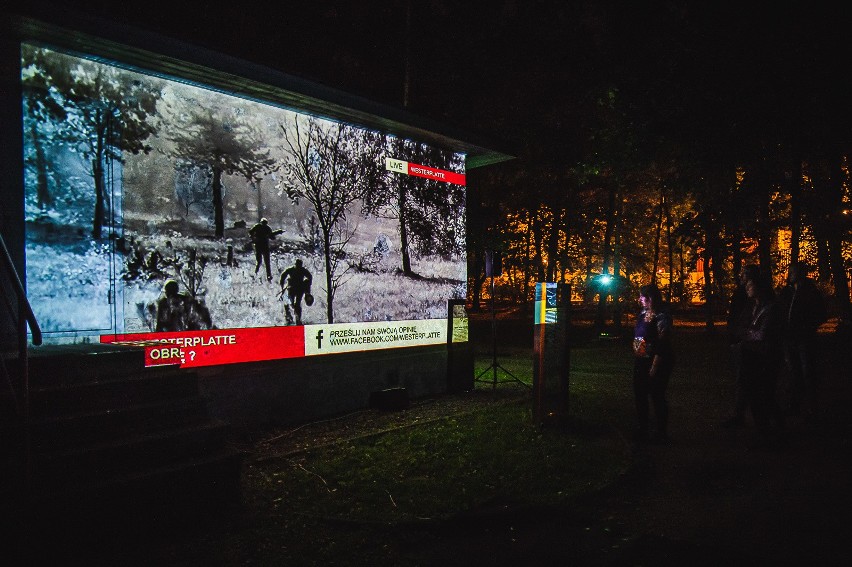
x=737, y=118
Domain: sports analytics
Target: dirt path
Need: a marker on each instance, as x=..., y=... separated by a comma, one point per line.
x=705, y=499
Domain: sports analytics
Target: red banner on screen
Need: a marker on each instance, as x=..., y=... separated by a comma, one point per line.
x=417, y=170
x=436, y=174
x=221, y=346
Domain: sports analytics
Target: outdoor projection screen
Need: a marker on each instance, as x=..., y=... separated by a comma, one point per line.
x=135, y=179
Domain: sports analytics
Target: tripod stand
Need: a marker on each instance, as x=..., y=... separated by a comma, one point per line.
x=494, y=364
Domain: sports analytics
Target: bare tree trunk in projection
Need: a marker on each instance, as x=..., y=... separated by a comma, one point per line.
x=43, y=197
x=98, y=220
x=256, y=185
x=403, y=231
x=329, y=276
x=218, y=203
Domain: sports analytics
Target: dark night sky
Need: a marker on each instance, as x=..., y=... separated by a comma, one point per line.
x=518, y=71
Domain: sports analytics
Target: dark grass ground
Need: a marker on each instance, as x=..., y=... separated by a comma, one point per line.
x=705, y=499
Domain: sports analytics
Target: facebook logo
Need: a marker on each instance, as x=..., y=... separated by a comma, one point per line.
x=319, y=339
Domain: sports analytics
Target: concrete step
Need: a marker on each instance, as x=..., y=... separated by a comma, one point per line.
x=111, y=441
x=155, y=499
x=66, y=364
x=140, y=386
x=104, y=461
x=71, y=430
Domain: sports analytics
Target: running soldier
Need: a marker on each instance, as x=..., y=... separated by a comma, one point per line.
x=260, y=234
x=297, y=281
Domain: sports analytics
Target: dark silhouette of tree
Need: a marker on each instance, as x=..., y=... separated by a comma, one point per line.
x=211, y=137
x=484, y=229
x=830, y=179
x=332, y=167
x=43, y=109
x=429, y=212
x=193, y=184
x=611, y=159
x=96, y=110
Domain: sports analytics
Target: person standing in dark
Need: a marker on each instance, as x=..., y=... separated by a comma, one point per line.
x=739, y=316
x=761, y=356
x=296, y=280
x=261, y=234
x=653, y=364
x=804, y=310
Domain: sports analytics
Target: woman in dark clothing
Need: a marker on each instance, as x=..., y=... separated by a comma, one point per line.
x=761, y=356
x=653, y=363
x=739, y=317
